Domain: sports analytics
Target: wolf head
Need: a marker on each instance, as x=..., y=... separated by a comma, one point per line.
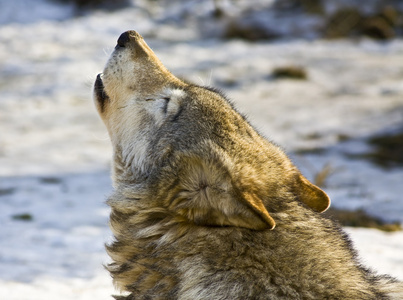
x=185, y=149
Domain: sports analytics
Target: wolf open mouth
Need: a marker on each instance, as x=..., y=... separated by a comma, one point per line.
x=100, y=95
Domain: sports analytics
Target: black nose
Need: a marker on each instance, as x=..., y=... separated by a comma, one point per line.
x=123, y=39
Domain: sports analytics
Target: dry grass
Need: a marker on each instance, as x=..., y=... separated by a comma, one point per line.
x=356, y=218
x=23, y=217
x=360, y=218
x=250, y=32
x=290, y=72
x=94, y=4
x=387, y=151
x=350, y=22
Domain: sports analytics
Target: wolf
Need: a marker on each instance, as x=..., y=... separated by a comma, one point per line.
x=204, y=207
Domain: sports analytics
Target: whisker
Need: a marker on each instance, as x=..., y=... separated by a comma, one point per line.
x=105, y=138
x=210, y=77
x=201, y=80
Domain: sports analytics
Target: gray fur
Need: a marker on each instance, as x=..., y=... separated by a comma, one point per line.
x=206, y=208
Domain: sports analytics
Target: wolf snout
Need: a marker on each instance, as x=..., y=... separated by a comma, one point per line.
x=123, y=39
x=126, y=38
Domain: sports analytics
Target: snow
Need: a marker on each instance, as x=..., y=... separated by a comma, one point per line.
x=55, y=152
x=28, y=11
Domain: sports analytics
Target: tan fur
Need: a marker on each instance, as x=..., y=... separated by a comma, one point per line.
x=206, y=208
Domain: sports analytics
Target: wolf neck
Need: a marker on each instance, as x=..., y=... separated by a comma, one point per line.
x=148, y=233
x=141, y=234
x=131, y=161
x=129, y=167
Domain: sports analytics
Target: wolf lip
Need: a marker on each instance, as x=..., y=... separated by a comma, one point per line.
x=100, y=94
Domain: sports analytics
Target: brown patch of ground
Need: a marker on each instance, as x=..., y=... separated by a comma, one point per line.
x=360, y=218
x=290, y=72
x=387, y=150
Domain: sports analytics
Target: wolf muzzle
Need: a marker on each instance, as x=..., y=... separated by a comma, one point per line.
x=127, y=38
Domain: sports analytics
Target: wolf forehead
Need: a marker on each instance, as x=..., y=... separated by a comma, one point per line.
x=197, y=113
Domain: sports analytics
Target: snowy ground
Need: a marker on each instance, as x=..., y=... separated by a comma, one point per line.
x=55, y=152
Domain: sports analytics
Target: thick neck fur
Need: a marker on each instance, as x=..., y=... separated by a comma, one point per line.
x=156, y=251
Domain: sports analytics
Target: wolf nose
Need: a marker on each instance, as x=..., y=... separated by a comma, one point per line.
x=128, y=37
x=123, y=39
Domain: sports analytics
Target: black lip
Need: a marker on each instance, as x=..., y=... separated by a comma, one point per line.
x=101, y=97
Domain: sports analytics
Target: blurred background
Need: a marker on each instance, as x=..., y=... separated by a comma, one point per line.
x=321, y=78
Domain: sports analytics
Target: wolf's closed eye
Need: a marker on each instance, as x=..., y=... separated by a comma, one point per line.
x=165, y=107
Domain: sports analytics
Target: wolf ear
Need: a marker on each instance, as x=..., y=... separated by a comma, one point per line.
x=311, y=195
x=209, y=208
x=258, y=218
x=256, y=205
x=208, y=196
x=244, y=210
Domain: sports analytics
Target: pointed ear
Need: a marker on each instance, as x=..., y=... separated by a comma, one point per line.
x=256, y=205
x=311, y=195
x=208, y=196
x=213, y=208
